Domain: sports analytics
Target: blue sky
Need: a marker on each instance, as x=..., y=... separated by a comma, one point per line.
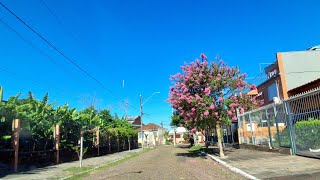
x=142, y=43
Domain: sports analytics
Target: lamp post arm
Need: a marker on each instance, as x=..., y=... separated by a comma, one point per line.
x=150, y=97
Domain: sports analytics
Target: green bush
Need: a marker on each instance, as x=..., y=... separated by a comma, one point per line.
x=307, y=134
x=195, y=148
x=169, y=142
x=5, y=142
x=6, y=138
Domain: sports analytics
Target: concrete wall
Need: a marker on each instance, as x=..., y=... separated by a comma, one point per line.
x=151, y=139
x=297, y=67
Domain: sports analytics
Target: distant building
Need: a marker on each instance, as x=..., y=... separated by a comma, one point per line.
x=135, y=122
x=180, y=131
x=153, y=135
x=292, y=73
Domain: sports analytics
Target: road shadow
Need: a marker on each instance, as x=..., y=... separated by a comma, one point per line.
x=189, y=154
x=213, y=150
x=24, y=169
x=183, y=146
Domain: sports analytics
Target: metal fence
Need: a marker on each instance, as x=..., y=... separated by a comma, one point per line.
x=294, y=123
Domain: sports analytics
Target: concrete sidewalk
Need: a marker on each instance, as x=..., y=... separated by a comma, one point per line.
x=268, y=165
x=59, y=171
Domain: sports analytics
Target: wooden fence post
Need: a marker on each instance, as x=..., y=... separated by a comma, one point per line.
x=57, y=140
x=16, y=135
x=98, y=140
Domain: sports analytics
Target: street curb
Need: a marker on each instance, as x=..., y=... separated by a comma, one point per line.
x=232, y=168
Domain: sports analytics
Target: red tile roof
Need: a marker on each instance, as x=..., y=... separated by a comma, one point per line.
x=151, y=126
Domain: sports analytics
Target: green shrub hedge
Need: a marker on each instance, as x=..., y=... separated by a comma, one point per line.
x=308, y=134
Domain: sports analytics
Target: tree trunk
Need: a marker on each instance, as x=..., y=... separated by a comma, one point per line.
x=206, y=138
x=218, y=128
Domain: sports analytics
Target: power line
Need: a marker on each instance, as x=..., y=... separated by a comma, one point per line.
x=58, y=20
x=33, y=46
x=61, y=53
x=55, y=48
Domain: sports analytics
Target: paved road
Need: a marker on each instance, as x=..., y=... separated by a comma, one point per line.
x=167, y=162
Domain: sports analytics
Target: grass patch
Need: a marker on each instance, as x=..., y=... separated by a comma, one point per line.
x=76, y=170
x=91, y=170
x=199, y=148
x=195, y=148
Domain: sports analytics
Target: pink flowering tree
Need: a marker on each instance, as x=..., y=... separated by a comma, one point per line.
x=207, y=95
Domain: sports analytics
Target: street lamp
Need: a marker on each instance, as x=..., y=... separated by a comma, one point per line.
x=141, y=113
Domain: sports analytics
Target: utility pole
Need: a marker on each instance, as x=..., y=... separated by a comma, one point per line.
x=1, y=94
x=141, y=122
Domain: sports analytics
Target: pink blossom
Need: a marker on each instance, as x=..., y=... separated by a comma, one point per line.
x=207, y=91
x=253, y=87
x=198, y=97
x=193, y=130
x=203, y=56
x=212, y=106
x=230, y=113
x=234, y=118
x=216, y=113
x=220, y=99
x=206, y=113
x=232, y=105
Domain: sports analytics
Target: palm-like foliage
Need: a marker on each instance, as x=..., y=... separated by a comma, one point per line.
x=38, y=118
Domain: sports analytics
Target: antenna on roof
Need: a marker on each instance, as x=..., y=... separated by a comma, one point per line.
x=314, y=48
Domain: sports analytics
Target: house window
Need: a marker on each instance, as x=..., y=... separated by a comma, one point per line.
x=272, y=91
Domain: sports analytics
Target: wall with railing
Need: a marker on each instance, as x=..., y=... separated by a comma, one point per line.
x=293, y=123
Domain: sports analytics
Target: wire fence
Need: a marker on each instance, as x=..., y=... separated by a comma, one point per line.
x=293, y=123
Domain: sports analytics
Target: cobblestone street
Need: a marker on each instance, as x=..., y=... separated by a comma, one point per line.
x=167, y=162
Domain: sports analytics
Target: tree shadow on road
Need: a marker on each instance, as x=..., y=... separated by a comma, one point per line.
x=183, y=146
x=213, y=150
x=189, y=154
x=24, y=170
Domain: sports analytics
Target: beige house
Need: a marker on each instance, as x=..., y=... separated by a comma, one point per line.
x=153, y=135
x=180, y=131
